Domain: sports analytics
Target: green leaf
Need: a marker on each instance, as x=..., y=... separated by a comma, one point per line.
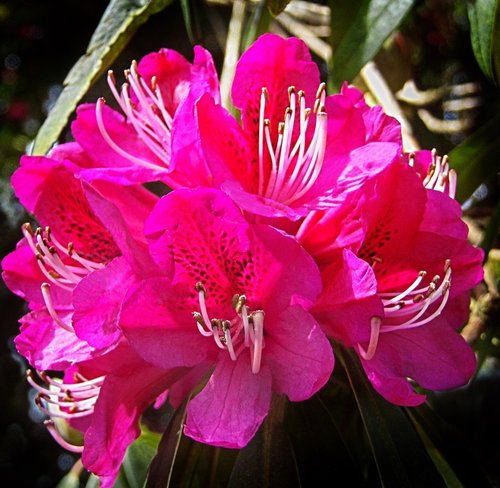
x=484, y=18
x=162, y=466
x=138, y=458
x=320, y=450
x=191, y=21
x=135, y=464
x=358, y=31
x=268, y=460
x=399, y=454
x=119, y=22
x=277, y=6
x=476, y=158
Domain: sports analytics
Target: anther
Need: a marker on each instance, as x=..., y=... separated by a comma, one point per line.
x=200, y=287
x=27, y=227
x=317, y=103
x=240, y=303
x=321, y=89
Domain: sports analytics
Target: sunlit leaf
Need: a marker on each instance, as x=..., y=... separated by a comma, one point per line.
x=358, y=31
x=138, y=458
x=476, y=158
x=400, y=456
x=119, y=22
x=484, y=18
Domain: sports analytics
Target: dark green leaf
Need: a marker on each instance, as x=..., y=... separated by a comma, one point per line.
x=400, y=456
x=484, y=18
x=476, y=158
x=119, y=22
x=277, y=6
x=257, y=25
x=451, y=443
x=161, y=468
x=358, y=31
x=320, y=450
x=191, y=21
x=268, y=460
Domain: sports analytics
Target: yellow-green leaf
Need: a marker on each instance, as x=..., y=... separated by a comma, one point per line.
x=119, y=22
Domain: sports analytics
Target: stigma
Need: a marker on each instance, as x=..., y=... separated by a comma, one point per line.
x=296, y=160
x=244, y=330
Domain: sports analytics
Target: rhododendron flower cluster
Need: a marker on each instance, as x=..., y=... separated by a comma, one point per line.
x=303, y=224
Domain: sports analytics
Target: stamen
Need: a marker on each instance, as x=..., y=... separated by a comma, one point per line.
x=216, y=326
x=263, y=98
x=47, y=298
x=203, y=307
x=111, y=143
x=60, y=440
x=375, y=324
x=227, y=335
x=65, y=400
x=258, y=322
x=201, y=324
x=416, y=304
x=294, y=167
x=252, y=326
x=440, y=176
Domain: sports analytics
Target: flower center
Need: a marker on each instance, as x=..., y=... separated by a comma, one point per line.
x=246, y=329
x=62, y=266
x=295, y=164
x=145, y=110
x=65, y=400
x=411, y=308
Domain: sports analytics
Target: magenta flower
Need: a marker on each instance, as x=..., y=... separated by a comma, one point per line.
x=249, y=288
x=54, y=265
x=156, y=129
x=297, y=150
x=416, y=268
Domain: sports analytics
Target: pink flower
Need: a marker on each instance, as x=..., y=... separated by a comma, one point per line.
x=54, y=264
x=157, y=127
x=416, y=269
x=297, y=149
x=249, y=288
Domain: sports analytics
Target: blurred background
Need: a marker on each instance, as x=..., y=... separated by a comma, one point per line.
x=433, y=80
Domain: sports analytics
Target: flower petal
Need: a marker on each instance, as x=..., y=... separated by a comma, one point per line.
x=231, y=407
x=157, y=320
x=433, y=355
x=298, y=353
x=48, y=346
x=115, y=421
